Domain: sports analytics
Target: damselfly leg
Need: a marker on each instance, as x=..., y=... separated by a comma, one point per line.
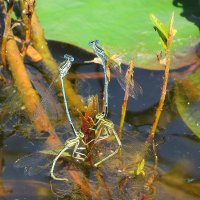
x=104, y=129
x=78, y=152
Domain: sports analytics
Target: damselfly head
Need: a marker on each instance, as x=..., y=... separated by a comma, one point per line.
x=93, y=42
x=69, y=57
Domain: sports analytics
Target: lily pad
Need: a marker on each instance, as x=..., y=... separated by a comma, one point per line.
x=121, y=26
x=187, y=98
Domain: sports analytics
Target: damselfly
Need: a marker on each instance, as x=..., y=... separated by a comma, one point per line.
x=63, y=71
x=102, y=55
x=79, y=136
x=50, y=93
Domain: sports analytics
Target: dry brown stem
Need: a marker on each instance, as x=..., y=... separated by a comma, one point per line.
x=129, y=76
x=6, y=30
x=27, y=12
x=165, y=81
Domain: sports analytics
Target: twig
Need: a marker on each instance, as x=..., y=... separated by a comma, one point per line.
x=165, y=81
x=27, y=13
x=6, y=31
x=30, y=51
x=150, y=139
x=129, y=75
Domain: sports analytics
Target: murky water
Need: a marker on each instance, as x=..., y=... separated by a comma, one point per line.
x=177, y=148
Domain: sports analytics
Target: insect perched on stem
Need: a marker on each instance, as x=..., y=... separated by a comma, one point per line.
x=102, y=55
x=79, y=136
x=112, y=63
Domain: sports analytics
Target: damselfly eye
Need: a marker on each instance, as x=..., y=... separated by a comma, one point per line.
x=71, y=58
x=90, y=43
x=66, y=56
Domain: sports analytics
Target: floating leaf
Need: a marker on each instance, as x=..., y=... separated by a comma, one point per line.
x=187, y=98
x=129, y=33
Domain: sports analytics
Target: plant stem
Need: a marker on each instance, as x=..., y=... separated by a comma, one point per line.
x=26, y=19
x=129, y=76
x=40, y=44
x=6, y=30
x=28, y=94
x=22, y=82
x=165, y=81
x=162, y=97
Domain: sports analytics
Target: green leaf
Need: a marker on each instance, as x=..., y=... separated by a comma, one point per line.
x=187, y=99
x=171, y=26
x=161, y=29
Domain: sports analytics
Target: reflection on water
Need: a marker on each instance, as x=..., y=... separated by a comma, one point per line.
x=177, y=149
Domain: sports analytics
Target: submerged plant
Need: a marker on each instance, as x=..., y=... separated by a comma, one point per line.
x=102, y=128
x=96, y=129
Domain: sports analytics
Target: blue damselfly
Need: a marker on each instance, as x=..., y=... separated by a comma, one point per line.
x=102, y=55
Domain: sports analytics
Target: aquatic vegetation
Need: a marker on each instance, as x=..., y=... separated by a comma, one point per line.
x=103, y=128
x=166, y=35
x=129, y=83
x=100, y=160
